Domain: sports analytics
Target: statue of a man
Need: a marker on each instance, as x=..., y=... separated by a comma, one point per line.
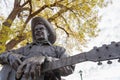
x=26, y=62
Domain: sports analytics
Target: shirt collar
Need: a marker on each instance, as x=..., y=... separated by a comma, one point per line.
x=42, y=43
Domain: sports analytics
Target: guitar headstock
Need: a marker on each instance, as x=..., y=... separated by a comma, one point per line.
x=105, y=52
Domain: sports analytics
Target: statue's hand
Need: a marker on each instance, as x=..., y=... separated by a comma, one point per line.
x=15, y=60
x=30, y=67
x=50, y=59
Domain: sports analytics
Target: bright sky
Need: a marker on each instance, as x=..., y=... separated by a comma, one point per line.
x=110, y=28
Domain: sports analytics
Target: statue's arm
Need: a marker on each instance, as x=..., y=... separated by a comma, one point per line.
x=64, y=71
x=4, y=58
x=12, y=58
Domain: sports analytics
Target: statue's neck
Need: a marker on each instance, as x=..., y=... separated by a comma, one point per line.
x=41, y=42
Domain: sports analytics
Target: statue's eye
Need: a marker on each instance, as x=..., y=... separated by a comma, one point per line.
x=41, y=28
x=36, y=29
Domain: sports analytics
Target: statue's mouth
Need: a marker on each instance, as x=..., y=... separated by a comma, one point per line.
x=39, y=33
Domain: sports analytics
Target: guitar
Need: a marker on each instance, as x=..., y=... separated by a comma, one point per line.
x=105, y=52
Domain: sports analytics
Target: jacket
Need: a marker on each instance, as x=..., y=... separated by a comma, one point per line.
x=36, y=49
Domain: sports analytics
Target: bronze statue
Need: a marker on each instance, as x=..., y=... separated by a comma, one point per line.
x=27, y=62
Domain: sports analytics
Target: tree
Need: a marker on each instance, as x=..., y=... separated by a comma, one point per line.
x=75, y=20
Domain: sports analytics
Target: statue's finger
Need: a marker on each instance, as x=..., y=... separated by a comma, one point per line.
x=11, y=61
x=23, y=78
x=33, y=72
x=27, y=71
x=19, y=61
x=38, y=69
x=20, y=71
x=15, y=65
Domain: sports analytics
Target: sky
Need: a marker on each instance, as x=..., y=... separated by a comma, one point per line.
x=109, y=31
x=109, y=26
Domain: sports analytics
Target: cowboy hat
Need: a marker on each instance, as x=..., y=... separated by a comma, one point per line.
x=48, y=25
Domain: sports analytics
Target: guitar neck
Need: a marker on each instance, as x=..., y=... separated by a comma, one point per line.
x=106, y=52
x=64, y=62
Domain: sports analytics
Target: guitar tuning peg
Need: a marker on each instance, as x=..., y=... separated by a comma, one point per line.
x=105, y=46
x=99, y=63
x=119, y=60
x=113, y=42
x=95, y=48
x=116, y=44
x=109, y=62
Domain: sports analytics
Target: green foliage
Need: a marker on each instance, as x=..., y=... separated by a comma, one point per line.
x=75, y=20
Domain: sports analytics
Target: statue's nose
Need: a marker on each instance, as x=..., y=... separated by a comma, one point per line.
x=38, y=30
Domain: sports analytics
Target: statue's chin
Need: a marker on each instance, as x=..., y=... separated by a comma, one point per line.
x=40, y=39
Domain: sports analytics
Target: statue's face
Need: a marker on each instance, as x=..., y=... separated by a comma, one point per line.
x=41, y=32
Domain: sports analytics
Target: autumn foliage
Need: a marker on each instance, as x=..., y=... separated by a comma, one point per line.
x=75, y=21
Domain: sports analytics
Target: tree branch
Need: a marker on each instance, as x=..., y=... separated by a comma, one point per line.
x=38, y=11
x=25, y=3
x=62, y=29
x=17, y=4
x=15, y=41
x=30, y=7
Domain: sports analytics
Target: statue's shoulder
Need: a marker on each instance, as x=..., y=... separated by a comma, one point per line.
x=28, y=44
x=26, y=47
x=59, y=48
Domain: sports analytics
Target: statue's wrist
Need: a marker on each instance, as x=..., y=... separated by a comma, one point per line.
x=4, y=57
x=8, y=56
